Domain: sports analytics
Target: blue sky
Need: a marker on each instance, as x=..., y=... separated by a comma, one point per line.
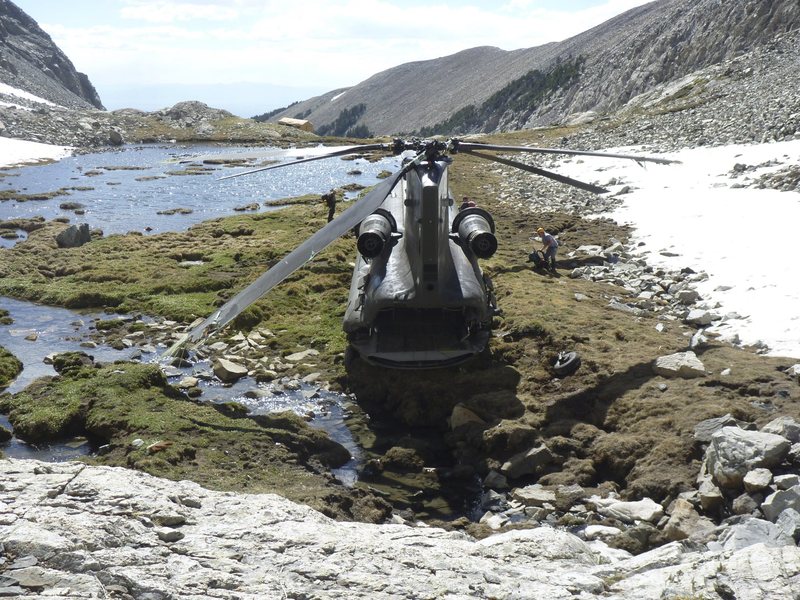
x=305, y=46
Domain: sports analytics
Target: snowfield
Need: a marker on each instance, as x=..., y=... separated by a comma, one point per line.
x=695, y=214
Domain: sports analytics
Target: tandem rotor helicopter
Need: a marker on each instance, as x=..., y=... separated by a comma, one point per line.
x=418, y=297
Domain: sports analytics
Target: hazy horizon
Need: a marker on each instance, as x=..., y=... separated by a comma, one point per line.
x=243, y=99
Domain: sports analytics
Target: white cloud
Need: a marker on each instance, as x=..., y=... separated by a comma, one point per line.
x=170, y=11
x=333, y=43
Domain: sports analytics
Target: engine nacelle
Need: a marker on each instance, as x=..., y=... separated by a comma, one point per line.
x=374, y=232
x=475, y=228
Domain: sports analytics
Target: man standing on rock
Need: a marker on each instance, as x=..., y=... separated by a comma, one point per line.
x=549, y=248
x=330, y=200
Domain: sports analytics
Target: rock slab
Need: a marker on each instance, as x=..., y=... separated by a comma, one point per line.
x=70, y=530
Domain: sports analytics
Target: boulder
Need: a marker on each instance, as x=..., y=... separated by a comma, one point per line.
x=228, y=371
x=746, y=504
x=710, y=495
x=704, y=429
x=789, y=523
x=733, y=452
x=757, y=479
x=495, y=480
x=684, y=521
x=754, y=531
x=461, y=416
x=779, y=501
x=784, y=482
x=115, y=138
x=527, y=463
x=534, y=495
x=699, y=317
x=784, y=426
x=74, y=236
x=261, y=545
x=681, y=364
x=628, y=512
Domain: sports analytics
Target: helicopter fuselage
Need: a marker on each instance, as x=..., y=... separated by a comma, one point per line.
x=422, y=301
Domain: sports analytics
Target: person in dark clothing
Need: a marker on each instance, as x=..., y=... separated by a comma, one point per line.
x=330, y=200
x=466, y=203
x=549, y=248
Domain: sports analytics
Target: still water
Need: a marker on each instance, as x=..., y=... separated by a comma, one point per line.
x=124, y=190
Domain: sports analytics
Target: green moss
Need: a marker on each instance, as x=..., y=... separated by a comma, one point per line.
x=217, y=446
x=10, y=367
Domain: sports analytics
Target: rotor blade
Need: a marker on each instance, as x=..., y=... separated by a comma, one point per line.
x=344, y=152
x=549, y=174
x=460, y=146
x=295, y=259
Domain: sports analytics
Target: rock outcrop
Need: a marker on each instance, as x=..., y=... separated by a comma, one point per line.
x=30, y=61
x=68, y=530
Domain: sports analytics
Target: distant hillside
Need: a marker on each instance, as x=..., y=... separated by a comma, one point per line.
x=30, y=61
x=489, y=89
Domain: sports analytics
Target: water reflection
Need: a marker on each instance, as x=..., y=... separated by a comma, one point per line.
x=38, y=331
x=124, y=190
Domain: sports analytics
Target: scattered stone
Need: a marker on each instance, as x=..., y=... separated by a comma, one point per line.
x=685, y=365
x=527, y=463
x=757, y=479
x=534, y=495
x=298, y=356
x=779, y=501
x=628, y=512
x=704, y=429
x=228, y=371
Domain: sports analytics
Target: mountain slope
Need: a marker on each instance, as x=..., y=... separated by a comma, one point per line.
x=622, y=58
x=30, y=61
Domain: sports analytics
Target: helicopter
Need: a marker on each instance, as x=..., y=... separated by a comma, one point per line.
x=418, y=298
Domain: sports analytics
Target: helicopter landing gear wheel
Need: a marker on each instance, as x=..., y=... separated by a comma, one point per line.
x=566, y=363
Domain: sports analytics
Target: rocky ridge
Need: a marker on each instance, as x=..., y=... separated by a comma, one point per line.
x=88, y=128
x=29, y=60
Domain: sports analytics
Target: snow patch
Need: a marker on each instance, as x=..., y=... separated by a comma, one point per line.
x=15, y=152
x=12, y=91
x=695, y=214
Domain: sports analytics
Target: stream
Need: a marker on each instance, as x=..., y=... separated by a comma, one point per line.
x=125, y=190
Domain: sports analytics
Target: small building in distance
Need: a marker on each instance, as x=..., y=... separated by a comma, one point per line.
x=303, y=124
